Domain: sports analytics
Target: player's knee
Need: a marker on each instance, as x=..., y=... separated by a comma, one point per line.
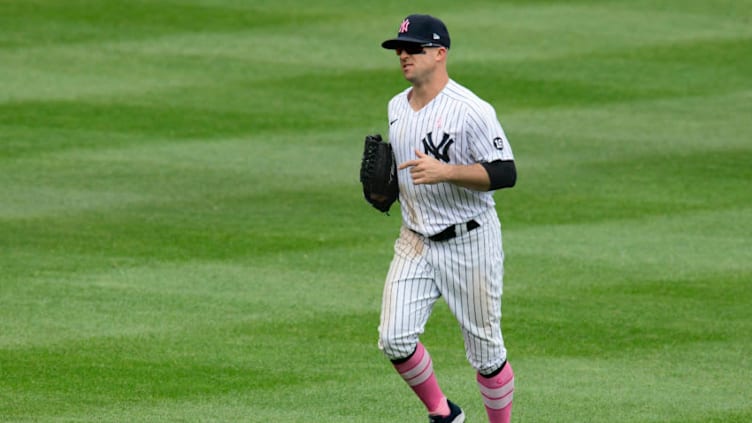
x=487, y=363
x=396, y=347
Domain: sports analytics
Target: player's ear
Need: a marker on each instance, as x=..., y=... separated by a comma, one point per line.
x=441, y=53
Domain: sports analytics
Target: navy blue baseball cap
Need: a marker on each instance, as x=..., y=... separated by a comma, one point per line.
x=420, y=29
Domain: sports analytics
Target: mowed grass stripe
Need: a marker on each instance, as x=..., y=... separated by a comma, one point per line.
x=203, y=177
x=135, y=303
x=194, y=189
x=49, y=22
x=214, y=111
x=192, y=51
x=637, y=384
x=241, y=108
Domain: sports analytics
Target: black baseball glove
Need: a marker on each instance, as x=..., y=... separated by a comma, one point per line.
x=378, y=173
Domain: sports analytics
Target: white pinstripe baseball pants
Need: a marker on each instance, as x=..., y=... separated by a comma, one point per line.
x=467, y=271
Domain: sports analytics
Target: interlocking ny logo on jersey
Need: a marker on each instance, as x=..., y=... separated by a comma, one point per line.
x=441, y=151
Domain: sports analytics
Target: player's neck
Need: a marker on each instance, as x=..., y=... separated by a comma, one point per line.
x=422, y=93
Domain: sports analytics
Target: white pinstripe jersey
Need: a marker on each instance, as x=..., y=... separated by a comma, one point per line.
x=456, y=127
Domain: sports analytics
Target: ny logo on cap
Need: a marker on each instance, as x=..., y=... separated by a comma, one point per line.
x=403, y=27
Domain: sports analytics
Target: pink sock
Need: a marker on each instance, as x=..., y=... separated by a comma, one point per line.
x=417, y=371
x=497, y=392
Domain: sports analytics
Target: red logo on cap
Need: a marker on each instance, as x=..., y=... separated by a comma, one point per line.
x=403, y=27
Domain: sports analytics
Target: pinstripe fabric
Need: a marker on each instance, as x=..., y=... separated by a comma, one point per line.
x=476, y=136
x=467, y=271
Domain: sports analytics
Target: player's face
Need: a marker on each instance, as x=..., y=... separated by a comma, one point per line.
x=418, y=62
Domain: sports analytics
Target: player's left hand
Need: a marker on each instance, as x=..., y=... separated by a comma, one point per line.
x=426, y=169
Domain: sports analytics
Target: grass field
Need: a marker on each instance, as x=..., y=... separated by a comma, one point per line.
x=183, y=236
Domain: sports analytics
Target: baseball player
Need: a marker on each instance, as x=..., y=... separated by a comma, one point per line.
x=452, y=154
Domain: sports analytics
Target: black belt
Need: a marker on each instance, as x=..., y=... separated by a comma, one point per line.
x=451, y=231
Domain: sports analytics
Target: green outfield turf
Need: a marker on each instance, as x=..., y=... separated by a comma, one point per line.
x=183, y=235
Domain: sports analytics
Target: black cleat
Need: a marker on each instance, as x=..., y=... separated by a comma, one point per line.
x=455, y=416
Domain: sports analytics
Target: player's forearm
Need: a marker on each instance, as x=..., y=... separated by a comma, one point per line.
x=484, y=176
x=472, y=176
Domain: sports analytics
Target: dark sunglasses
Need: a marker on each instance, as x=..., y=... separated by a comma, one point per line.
x=412, y=49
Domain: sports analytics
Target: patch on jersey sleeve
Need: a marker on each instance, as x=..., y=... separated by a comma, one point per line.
x=498, y=142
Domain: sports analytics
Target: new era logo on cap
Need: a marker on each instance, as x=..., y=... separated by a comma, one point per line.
x=420, y=29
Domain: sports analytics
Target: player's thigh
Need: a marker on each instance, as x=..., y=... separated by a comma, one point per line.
x=406, y=307
x=408, y=299
x=472, y=286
